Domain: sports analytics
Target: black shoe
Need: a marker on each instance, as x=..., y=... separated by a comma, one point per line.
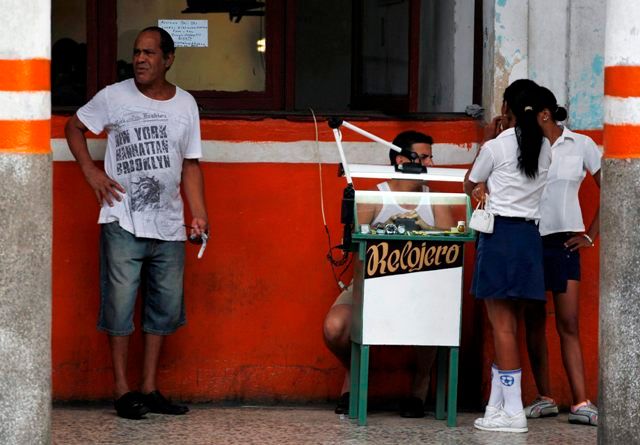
x=412, y=407
x=343, y=404
x=131, y=406
x=157, y=403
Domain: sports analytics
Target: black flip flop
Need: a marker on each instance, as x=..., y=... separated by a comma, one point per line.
x=131, y=406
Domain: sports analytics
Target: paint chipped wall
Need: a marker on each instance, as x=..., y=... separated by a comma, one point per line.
x=586, y=64
x=505, y=23
x=558, y=43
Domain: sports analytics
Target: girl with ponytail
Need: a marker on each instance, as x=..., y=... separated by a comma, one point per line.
x=528, y=133
x=563, y=235
x=508, y=267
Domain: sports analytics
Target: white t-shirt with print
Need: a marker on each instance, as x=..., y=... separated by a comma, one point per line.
x=147, y=141
x=572, y=155
x=511, y=192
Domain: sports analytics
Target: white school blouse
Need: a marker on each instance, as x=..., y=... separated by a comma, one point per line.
x=572, y=156
x=511, y=192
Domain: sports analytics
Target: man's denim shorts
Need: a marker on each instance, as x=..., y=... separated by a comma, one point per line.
x=155, y=266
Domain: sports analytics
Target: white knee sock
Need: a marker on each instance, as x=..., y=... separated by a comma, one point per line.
x=495, y=398
x=510, y=383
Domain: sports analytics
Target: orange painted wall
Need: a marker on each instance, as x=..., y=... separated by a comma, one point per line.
x=256, y=302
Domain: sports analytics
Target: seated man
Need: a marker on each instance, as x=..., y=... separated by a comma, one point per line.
x=337, y=325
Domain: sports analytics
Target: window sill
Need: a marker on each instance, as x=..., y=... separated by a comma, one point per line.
x=303, y=116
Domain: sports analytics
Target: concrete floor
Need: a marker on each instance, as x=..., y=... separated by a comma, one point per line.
x=208, y=424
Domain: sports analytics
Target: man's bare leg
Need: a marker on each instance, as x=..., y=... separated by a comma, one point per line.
x=337, y=337
x=154, y=399
x=119, y=346
x=129, y=405
x=337, y=333
x=152, y=347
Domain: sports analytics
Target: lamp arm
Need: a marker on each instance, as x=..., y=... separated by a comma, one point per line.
x=373, y=137
x=338, y=136
x=335, y=124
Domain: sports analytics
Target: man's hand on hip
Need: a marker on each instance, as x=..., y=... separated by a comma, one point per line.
x=105, y=188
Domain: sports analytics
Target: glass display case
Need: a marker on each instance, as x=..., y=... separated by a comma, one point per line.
x=412, y=215
x=415, y=215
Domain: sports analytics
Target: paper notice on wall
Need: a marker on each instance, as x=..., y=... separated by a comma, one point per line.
x=187, y=33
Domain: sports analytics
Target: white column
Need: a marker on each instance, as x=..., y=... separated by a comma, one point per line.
x=25, y=237
x=619, y=342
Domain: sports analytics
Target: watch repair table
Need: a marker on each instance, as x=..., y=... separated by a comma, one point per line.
x=407, y=290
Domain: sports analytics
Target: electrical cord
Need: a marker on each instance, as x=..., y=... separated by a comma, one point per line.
x=346, y=258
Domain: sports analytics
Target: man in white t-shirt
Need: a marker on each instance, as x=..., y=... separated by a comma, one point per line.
x=153, y=147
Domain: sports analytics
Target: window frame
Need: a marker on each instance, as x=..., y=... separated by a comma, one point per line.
x=272, y=98
x=279, y=94
x=102, y=47
x=396, y=103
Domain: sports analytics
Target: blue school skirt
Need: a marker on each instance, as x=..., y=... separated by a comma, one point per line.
x=509, y=262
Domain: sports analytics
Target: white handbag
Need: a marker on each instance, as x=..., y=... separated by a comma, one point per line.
x=481, y=220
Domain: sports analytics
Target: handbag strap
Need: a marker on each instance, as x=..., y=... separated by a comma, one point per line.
x=481, y=203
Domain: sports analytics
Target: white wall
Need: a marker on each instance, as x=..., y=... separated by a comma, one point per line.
x=557, y=43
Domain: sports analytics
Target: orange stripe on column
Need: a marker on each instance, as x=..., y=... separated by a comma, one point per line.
x=25, y=75
x=622, y=81
x=621, y=141
x=25, y=136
